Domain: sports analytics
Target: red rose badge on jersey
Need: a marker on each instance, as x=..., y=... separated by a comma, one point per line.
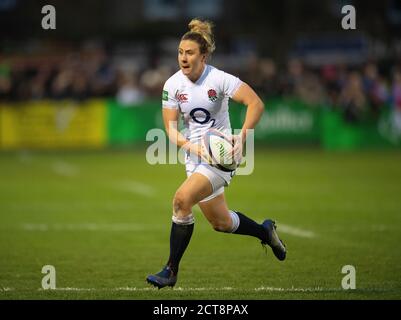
x=212, y=95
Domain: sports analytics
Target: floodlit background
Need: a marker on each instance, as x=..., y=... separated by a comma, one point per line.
x=76, y=191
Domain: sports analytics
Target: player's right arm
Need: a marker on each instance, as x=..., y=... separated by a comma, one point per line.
x=170, y=119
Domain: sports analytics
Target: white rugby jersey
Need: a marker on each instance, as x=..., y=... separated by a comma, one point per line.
x=203, y=104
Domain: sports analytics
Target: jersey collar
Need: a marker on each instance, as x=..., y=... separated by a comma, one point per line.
x=201, y=78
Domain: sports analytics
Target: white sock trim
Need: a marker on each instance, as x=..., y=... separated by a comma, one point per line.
x=189, y=219
x=235, y=221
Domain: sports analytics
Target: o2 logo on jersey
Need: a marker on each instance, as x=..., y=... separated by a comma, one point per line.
x=201, y=116
x=212, y=94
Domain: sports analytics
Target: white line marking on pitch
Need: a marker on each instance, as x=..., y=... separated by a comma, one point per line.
x=284, y=228
x=89, y=227
x=131, y=227
x=259, y=289
x=65, y=169
x=136, y=187
x=130, y=289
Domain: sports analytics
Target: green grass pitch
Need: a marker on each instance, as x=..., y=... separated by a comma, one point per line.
x=102, y=219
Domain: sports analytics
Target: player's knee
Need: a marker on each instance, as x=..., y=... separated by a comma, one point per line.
x=181, y=203
x=221, y=226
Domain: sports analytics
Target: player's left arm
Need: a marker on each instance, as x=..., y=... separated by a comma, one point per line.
x=255, y=107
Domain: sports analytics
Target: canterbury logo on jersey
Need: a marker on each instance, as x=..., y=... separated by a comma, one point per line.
x=181, y=97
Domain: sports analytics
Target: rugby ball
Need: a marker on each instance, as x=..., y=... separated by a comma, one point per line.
x=220, y=148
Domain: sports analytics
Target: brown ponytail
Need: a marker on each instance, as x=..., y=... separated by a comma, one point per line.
x=201, y=32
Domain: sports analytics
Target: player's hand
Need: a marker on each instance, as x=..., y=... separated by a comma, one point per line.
x=205, y=155
x=199, y=150
x=238, y=148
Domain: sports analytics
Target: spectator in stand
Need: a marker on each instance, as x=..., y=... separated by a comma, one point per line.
x=380, y=95
x=269, y=83
x=370, y=75
x=374, y=87
x=292, y=78
x=5, y=82
x=60, y=88
x=39, y=83
x=80, y=87
x=262, y=74
x=129, y=93
x=253, y=73
x=153, y=80
x=396, y=101
x=352, y=98
x=330, y=78
x=101, y=74
x=310, y=90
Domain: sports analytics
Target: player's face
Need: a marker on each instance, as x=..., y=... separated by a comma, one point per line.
x=190, y=60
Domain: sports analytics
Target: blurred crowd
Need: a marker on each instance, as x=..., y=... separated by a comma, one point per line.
x=359, y=91
x=93, y=72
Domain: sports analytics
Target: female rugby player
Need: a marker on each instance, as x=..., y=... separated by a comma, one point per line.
x=200, y=93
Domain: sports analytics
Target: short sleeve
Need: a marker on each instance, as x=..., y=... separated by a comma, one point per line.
x=230, y=84
x=168, y=97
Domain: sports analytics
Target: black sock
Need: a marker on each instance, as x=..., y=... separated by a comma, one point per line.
x=180, y=236
x=249, y=227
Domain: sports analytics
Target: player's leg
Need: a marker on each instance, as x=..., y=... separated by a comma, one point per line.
x=194, y=189
x=224, y=220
